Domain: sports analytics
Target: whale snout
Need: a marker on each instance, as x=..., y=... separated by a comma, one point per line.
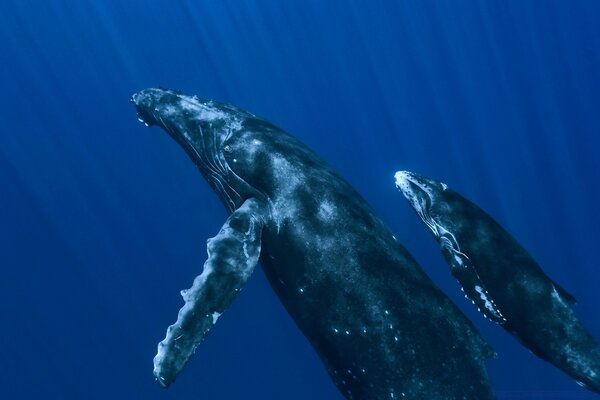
x=401, y=177
x=151, y=104
x=404, y=180
x=145, y=101
x=147, y=96
x=411, y=183
x=419, y=191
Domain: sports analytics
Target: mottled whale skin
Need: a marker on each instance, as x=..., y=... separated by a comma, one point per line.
x=499, y=276
x=377, y=322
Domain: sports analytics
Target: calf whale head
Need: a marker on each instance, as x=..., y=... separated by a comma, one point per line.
x=207, y=131
x=446, y=213
x=437, y=205
x=424, y=196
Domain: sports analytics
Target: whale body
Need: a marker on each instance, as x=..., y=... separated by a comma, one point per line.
x=500, y=277
x=376, y=320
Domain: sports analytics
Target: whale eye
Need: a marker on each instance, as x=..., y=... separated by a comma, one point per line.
x=227, y=149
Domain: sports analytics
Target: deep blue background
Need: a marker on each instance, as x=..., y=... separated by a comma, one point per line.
x=102, y=221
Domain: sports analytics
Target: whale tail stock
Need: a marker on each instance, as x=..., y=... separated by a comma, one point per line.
x=570, y=347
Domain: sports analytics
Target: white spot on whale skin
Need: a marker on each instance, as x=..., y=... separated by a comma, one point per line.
x=284, y=207
x=215, y=317
x=457, y=259
x=209, y=112
x=201, y=111
x=326, y=211
x=252, y=147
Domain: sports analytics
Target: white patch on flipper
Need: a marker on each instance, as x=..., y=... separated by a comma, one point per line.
x=199, y=312
x=489, y=303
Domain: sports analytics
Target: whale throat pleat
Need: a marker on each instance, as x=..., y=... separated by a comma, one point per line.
x=232, y=256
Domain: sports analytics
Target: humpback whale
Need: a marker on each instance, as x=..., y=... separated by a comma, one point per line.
x=506, y=284
x=376, y=320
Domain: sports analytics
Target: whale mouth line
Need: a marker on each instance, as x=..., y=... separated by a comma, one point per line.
x=204, y=154
x=139, y=110
x=419, y=196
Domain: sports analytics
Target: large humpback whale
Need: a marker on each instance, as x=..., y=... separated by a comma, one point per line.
x=499, y=276
x=377, y=322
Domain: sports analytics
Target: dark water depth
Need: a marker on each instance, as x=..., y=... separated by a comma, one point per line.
x=102, y=221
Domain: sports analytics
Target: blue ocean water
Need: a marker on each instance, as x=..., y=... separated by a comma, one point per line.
x=103, y=221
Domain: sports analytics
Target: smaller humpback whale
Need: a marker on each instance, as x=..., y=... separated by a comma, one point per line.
x=380, y=326
x=505, y=283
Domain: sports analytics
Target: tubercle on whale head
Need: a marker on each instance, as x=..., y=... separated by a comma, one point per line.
x=408, y=182
x=202, y=128
x=148, y=104
x=424, y=195
x=418, y=190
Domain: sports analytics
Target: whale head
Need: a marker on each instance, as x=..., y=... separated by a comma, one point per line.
x=204, y=128
x=429, y=198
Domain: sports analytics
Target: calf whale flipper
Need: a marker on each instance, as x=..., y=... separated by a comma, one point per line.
x=232, y=256
x=495, y=270
x=465, y=273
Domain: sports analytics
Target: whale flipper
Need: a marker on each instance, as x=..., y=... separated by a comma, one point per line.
x=232, y=256
x=464, y=271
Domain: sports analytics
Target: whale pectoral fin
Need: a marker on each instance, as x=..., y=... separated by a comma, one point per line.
x=464, y=271
x=232, y=256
